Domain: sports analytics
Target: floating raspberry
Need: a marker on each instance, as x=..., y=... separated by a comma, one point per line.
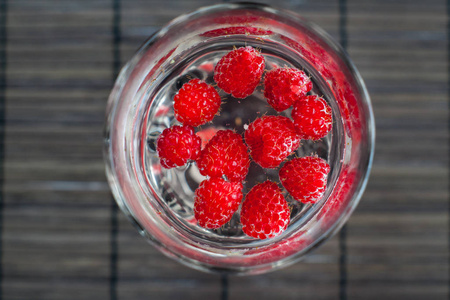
x=225, y=154
x=216, y=200
x=265, y=213
x=196, y=103
x=305, y=178
x=284, y=86
x=271, y=139
x=239, y=72
x=312, y=117
x=176, y=145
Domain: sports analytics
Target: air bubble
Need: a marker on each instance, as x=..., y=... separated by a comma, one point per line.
x=151, y=141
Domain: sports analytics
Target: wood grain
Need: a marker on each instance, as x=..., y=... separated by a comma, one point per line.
x=56, y=233
x=397, y=239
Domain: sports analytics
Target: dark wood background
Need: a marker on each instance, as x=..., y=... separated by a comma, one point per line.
x=61, y=235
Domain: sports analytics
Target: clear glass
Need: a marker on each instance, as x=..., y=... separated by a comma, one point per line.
x=160, y=202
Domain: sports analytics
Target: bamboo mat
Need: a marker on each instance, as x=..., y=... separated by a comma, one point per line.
x=62, y=236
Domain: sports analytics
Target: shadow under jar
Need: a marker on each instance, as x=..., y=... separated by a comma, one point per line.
x=160, y=201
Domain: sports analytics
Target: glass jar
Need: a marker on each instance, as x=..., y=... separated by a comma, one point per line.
x=160, y=201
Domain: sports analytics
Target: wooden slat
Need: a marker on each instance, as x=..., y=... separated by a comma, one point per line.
x=57, y=214
x=397, y=239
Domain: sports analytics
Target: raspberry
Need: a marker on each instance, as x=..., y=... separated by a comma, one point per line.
x=305, y=178
x=216, y=200
x=284, y=86
x=225, y=154
x=239, y=72
x=176, y=145
x=196, y=103
x=265, y=213
x=271, y=139
x=312, y=117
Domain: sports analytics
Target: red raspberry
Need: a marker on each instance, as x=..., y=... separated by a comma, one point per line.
x=265, y=213
x=312, y=117
x=239, y=72
x=216, y=200
x=176, y=145
x=196, y=103
x=305, y=178
x=284, y=86
x=225, y=154
x=271, y=139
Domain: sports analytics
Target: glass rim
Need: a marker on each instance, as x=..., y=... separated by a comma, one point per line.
x=328, y=40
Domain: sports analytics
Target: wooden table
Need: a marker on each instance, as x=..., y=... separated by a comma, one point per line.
x=59, y=235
